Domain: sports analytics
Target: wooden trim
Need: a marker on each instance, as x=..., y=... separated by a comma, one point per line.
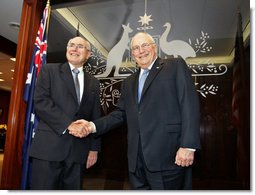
x=12, y=166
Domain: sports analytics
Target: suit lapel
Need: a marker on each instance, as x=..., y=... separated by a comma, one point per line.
x=136, y=83
x=156, y=68
x=86, y=86
x=66, y=75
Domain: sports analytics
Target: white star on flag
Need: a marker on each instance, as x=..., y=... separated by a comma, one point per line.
x=145, y=19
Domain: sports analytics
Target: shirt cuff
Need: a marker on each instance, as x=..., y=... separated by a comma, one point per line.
x=191, y=149
x=94, y=130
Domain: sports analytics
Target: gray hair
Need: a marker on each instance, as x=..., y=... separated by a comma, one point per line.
x=142, y=33
x=88, y=43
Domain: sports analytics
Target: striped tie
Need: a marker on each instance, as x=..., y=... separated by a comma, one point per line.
x=76, y=83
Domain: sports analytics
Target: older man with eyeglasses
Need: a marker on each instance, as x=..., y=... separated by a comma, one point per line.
x=63, y=94
x=160, y=105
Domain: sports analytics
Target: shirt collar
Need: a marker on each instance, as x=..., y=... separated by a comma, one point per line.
x=73, y=67
x=149, y=67
x=152, y=64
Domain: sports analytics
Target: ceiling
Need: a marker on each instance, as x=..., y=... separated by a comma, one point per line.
x=10, y=13
x=101, y=23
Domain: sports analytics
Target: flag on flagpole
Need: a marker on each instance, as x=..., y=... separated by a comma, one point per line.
x=238, y=71
x=31, y=120
x=240, y=107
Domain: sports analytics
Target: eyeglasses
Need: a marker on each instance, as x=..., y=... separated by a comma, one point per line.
x=136, y=48
x=79, y=46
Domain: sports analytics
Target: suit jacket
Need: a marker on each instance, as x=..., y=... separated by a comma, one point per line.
x=57, y=107
x=166, y=118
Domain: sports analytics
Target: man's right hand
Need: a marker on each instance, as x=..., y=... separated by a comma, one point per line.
x=80, y=128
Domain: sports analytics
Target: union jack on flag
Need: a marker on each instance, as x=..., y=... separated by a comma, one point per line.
x=31, y=120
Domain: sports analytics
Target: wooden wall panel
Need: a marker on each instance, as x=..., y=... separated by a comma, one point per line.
x=222, y=164
x=11, y=171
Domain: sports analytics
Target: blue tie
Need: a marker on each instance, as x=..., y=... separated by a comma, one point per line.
x=141, y=83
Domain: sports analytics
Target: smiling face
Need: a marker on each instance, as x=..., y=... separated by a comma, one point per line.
x=144, y=49
x=78, y=51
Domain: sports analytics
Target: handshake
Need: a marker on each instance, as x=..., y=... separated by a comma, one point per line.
x=81, y=128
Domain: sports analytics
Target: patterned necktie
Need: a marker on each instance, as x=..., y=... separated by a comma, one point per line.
x=76, y=83
x=141, y=83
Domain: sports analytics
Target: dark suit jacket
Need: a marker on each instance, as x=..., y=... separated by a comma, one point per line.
x=166, y=118
x=57, y=106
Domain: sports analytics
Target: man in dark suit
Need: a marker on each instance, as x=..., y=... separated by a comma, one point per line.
x=58, y=156
x=163, y=124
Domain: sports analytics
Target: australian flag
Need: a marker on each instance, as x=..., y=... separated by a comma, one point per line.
x=31, y=120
